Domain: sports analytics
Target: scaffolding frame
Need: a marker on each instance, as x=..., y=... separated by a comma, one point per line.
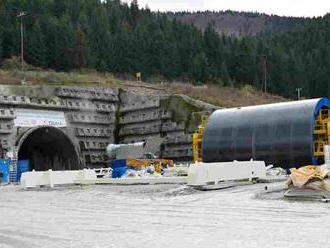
x=321, y=133
x=198, y=140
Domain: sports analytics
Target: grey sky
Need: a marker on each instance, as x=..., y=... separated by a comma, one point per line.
x=280, y=7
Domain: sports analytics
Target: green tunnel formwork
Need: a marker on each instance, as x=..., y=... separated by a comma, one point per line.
x=281, y=134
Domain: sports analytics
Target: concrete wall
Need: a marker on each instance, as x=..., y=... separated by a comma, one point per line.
x=99, y=116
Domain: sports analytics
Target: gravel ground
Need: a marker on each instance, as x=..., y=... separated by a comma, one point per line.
x=159, y=216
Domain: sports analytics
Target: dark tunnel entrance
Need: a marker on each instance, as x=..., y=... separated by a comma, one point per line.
x=48, y=148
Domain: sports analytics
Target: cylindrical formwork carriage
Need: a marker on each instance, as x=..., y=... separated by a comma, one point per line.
x=288, y=134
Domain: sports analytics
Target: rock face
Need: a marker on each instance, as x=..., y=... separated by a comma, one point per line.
x=94, y=117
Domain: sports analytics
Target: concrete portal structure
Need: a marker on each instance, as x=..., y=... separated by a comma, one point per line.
x=68, y=128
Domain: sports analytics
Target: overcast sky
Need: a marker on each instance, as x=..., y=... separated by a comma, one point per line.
x=279, y=7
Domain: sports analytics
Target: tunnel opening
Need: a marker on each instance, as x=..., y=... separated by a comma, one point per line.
x=48, y=148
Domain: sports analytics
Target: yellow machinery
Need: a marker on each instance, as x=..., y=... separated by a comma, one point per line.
x=143, y=163
x=198, y=139
x=321, y=133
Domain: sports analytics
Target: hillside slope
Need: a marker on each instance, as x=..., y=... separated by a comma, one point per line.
x=219, y=96
x=237, y=24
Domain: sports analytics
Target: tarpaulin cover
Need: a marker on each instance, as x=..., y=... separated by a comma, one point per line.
x=302, y=176
x=314, y=178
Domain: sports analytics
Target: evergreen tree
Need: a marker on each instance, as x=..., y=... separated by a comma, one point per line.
x=79, y=49
x=200, y=67
x=65, y=38
x=134, y=13
x=58, y=7
x=35, y=46
x=225, y=75
x=1, y=50
x=212, y=51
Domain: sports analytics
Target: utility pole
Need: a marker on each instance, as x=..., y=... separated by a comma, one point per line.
x=21, y=15
x=299, y=93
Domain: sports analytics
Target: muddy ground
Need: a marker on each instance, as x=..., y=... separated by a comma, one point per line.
x=159, y=216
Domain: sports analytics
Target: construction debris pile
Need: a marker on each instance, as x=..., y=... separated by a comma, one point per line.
x=309, y=182
x=151, y=171
x=146, y=172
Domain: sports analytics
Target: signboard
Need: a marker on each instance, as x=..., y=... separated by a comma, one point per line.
x=32, y=118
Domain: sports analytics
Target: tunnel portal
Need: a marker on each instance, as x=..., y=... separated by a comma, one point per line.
x=48, y=148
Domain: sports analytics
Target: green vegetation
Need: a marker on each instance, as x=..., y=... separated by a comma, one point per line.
x=109, y=36
x=181, y=110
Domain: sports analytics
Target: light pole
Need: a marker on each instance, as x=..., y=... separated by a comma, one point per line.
x=21, y=15
x=299, y=93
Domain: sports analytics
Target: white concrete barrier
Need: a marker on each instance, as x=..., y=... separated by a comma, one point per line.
x=200, y=174
x=51, y=178
x=136, y=181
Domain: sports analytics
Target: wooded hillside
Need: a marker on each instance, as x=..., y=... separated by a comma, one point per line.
x=110, y=36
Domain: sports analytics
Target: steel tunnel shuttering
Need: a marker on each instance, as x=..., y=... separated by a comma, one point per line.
x=281, y=134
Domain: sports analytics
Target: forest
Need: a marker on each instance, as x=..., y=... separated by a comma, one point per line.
x=120, y=38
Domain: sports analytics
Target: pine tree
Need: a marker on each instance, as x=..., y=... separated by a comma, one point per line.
x=58, y=7
x=212, y=50
x=225, y=75
x=80, y=48
x=200, y=68
x=65, y=38
x=135, y=12
x=35, y=46
x=1, y=49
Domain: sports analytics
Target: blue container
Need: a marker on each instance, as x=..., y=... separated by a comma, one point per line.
x=22, y=166
x=119, y=168
x=4, y=168
x=118, y=172
x=118, y=163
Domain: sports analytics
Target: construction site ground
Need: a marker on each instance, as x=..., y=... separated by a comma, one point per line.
x=159, y=216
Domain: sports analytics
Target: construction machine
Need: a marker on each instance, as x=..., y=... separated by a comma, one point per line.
x=139, y=155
